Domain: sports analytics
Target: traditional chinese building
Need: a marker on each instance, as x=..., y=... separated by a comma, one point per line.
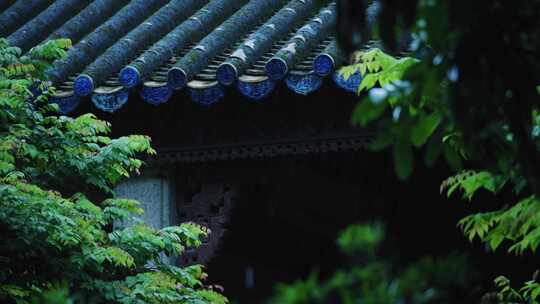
x=243, y=103
x=252, y=127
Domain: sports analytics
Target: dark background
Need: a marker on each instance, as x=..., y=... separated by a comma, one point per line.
x=290, y=209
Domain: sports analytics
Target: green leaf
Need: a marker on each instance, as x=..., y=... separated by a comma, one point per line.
x=452, y=157
x=212, y=297
x=501, y=281
x=383, y=140
x=366, y=111
x=423, y=129
x=50, y=167
x=347, y=71
x=403, y=159
x=433, y=151
x=536, y=291
x=495, y=241
x=368, y=82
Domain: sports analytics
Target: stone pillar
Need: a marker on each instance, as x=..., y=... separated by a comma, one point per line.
x=155, y=190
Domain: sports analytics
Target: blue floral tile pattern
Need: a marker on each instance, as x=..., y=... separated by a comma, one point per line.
x=304, y=84
x=207, y=96
x=66, y=104
x=110, y=102
x=256, y=91
x=156, y=95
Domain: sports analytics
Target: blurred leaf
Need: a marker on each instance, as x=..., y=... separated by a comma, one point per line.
x=433, y=151
x=422, y=130
x=366, y=111
x=382, y=140
x=403, y=159
x=452, y=157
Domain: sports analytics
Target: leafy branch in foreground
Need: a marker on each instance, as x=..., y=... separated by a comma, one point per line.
x=374, y=279
x=56, y=243
x=471, y=94
x=409, y=113
x=529, y=293
x=518, y=223
x=411, y=123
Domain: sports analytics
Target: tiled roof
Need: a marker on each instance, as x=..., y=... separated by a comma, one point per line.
x=157, y=47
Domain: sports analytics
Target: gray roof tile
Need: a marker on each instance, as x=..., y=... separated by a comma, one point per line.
x=147, y=45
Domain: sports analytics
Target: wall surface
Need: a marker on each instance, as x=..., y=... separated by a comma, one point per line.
x=155, y=191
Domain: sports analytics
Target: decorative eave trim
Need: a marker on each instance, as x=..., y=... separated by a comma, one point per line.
x=262, y=150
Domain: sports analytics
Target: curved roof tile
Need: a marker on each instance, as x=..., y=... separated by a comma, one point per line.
x=156, y=46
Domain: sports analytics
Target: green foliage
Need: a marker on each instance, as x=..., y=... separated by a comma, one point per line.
x=478, y=107
x=518, y=224
x=529, y=293
x=58, y=246
x=471, y=181
x=407, y=118
x=361, y=238
x=373, y=279
x=410, y=123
